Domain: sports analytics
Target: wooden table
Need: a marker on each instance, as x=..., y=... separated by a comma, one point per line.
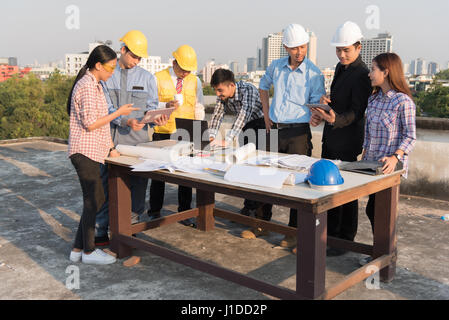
x=312, y=206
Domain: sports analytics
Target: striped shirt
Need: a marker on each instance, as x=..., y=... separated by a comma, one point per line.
x=88, y=105
x=245, y=104
x=390, y=126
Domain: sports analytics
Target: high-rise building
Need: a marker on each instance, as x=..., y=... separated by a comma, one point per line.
x=272, y=49
x=260, y=60
x=312, y=48
x=373, y=47
x=234, y=67
x=251, y=64
x=210, y=68
x=328, y=74
x=418, y=67
x=10, y=61
x=433, y=68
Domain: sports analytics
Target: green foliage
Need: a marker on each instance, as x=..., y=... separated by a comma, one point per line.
x=208, y=91
x=442, y=75
x=434, y=103
x=30, y=107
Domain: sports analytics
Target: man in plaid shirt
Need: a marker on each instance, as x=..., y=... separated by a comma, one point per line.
x=243, y=100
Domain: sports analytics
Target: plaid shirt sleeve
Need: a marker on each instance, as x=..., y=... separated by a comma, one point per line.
x=86, y=97
x=248, y=102
x=217, y=118
x=407, y=111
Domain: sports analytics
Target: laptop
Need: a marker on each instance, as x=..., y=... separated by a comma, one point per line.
x=196, y=131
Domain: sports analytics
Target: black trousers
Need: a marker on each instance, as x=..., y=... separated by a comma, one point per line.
x=93, y=198
x=342, y=221
x=157, y=188
x=295, y=140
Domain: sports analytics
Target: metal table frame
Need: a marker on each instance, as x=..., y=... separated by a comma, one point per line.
x=311, y=234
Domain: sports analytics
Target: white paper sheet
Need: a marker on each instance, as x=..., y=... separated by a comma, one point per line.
x=169, y=156
x=263, y=176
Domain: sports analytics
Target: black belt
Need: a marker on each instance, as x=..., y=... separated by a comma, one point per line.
x=281, y=126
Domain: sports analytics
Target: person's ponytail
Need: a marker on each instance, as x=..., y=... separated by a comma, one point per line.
x=81, y=74
x=100, y=54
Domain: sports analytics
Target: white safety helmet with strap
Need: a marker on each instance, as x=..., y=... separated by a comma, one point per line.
x=294, y=36
x=347, y=34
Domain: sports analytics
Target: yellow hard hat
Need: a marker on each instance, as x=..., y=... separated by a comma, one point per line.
x=186, y=58
x=136, y=42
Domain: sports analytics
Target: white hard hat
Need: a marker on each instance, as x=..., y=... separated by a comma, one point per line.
x=347, y=34
x=295, y=36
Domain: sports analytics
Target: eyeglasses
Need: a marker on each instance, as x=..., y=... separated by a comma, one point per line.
x=108, y=67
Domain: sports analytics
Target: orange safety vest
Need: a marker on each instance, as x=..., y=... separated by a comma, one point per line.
x=166, y=91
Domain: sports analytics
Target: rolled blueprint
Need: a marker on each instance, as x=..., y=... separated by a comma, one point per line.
x=241, y=154
x=168, y=155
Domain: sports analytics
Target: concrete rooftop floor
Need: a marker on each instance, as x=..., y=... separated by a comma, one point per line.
x=40, y=206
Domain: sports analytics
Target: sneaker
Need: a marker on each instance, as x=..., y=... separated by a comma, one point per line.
x=188, y=223
x=75, y=256
x=365, y=260
x=254, y=233
x=288, y=242
x=101, y=241
x=98, y=257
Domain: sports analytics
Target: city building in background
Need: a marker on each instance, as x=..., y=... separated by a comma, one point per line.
x=234, y=67
x=433, y=68
x=209, y=70
x=74, y=62
x=328, y=74
x=418, y=67
x=10, y=61
x=373, y=47
x=312, y=48
x=43, y=72
x=251, y=64
x=272, y=49
x=7, y=72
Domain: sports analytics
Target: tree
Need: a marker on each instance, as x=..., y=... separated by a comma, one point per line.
x=30, y=107
x=208, y=91
x=435, y=102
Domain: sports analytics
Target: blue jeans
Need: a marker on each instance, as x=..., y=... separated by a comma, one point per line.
x=138, y=187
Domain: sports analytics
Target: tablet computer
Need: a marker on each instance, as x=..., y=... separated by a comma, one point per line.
x=153, y=114
x=325, y=107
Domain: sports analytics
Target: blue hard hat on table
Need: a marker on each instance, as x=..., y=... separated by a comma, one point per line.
x=325, y=173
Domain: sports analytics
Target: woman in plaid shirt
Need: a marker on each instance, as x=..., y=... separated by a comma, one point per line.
x=90, y=143
x=390, y=128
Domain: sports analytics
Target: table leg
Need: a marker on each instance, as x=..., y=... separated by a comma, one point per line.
x=311, y=254
x=206, y=203
x=385, y=237
x=119, y=210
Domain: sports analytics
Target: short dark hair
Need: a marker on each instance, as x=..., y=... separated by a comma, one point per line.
x=220, y=76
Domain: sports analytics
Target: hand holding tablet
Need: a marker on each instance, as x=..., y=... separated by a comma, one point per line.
x=150, y=116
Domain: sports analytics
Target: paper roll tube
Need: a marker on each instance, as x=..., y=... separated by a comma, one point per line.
x=241, y=153
x=149, y=153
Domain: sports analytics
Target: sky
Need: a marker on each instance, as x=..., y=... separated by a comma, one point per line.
x=227, y=30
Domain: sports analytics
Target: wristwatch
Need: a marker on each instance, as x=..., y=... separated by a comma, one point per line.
x=397, y=157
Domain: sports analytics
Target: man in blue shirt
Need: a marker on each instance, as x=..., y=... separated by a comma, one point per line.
x=129, y=84
x=297, y=82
